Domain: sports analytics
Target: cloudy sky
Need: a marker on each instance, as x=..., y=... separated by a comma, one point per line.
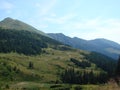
x=87, y=19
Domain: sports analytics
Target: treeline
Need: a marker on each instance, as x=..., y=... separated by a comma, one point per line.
x=22, y=41
x=105, y=63
x=83, y=77
x=73, y=76
x=82, y=64
x=117, y=72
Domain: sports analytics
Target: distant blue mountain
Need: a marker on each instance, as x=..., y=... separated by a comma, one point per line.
x=104, y=46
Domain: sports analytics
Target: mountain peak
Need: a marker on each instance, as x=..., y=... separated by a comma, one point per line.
x=9, y=23
x=8, y=19
x=5, y=22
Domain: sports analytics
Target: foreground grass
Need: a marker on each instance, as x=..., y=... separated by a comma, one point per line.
x=44, y=86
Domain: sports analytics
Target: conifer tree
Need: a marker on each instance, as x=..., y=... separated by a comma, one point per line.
x=118, y=67
x=30, y=65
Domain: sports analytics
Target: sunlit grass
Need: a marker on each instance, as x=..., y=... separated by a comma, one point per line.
x=46, y=70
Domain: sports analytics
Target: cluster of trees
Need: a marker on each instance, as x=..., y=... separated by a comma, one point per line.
x=106, y=63
x=117, y=72
x=118, y=68
x=82, y=64
x=83, y=77
x=73, y=76
x=63, y=47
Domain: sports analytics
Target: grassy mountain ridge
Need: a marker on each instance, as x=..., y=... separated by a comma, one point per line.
x=106, y=47
x=9, y=23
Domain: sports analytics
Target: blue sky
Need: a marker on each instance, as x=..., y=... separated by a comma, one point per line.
x=87, y=19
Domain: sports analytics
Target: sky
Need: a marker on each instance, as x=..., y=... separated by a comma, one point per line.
x=86, y=19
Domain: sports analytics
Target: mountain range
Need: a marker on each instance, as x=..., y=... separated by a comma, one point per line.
x=104, y=46
x=30, y=57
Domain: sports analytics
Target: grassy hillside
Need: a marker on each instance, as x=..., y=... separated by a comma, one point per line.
x=47, y=67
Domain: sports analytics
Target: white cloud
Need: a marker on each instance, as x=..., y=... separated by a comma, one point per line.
x=60, y=20
x=43, y=26
x=53, y=15
x=7, y=6
x=94, y=28
x=45, y=6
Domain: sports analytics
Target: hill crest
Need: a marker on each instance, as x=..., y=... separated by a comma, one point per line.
x=9, y=23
